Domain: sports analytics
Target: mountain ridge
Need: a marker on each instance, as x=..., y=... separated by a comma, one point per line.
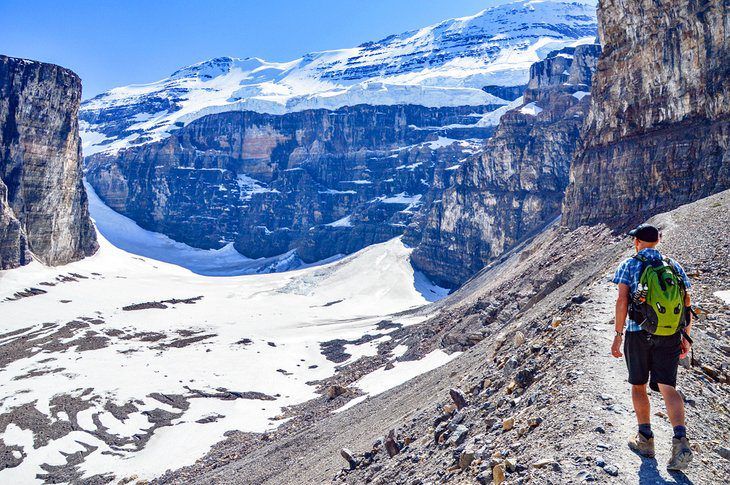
x=444, y=64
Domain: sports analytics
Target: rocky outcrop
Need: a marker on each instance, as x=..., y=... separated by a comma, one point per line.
x=43, y=206
x=13, y=241
x=516, y=185
x=320, y=182
x=658, y=131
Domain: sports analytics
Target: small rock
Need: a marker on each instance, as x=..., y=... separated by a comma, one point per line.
x=457, y=395
x=511, y=364
x=600, y=462
x=485, y=477
x=519, y=338
x=391, y=445
x=347, y=455
x=600, y=429
x=508, y=424
x=459, y=435
x=611, y=470
x=534, y=422
x=456, y=420
x=586, y=476
x=556, y=322
x=440, y=430
x=466, y=458
x=723, y=451
x=510, y=464
x=498, y=474
x=449, y=408
x=543, y=463
x=334, y=391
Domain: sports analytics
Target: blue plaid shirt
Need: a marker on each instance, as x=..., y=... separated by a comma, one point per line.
x=629, y=273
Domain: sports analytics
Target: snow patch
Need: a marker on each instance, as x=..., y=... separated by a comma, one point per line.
x=531, y=109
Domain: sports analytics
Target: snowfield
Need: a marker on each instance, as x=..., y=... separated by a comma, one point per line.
x=133, y=365
x=446, y=64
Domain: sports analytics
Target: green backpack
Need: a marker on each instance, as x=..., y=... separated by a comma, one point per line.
x=659, y=302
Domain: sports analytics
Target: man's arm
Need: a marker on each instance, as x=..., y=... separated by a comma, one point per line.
x=622, y=309
x=684, y=345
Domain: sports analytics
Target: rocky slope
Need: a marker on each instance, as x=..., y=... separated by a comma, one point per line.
x=43, y=206
x=321, y=182
x=658, y=129
x=539, y=400
x=515, y=186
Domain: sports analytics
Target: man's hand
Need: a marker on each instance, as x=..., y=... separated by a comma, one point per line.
x=685, y=347
x=616, y=347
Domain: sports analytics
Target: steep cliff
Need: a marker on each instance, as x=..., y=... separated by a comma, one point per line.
x=321, y=182
x=516, y=185
x=658, y=130
x=43, y=207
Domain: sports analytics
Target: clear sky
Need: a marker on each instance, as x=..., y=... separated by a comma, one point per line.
x=115, y=43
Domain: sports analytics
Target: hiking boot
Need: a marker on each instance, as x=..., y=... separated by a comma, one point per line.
x=681, y=454
x=642, y=445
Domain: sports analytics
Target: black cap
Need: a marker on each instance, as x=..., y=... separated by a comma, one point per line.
x=646, y=233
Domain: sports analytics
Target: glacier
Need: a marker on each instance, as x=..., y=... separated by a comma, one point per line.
x=446, y=64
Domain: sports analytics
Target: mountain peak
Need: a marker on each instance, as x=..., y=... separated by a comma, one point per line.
x=446, y=64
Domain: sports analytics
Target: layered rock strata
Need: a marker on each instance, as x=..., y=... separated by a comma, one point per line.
x=319, y=182
x=515, y=186
x=43, y=205
x=658, y=131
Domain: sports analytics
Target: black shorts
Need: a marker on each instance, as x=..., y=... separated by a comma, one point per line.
x=653, y=355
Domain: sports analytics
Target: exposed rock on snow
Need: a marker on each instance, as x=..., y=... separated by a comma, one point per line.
x=112, y=385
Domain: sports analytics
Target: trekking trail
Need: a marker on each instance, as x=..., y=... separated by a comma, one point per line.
x=605, y=378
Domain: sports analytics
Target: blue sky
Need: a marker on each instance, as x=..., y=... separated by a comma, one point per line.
x=113, y=43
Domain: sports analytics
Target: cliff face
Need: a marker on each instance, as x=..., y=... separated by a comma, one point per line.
x=13, y=241
x=43, y=207
x=658, y=130
x=321, y=182
x=516, y=185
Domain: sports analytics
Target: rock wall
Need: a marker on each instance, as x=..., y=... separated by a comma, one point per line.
x=13, y=241
x=516, y=185
x=658, y=131
x=43, y=206
x=320, y=182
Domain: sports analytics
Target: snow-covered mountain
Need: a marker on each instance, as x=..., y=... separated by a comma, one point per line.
x=446, y=64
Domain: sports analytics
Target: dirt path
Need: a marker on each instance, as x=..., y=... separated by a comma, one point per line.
x=608, y=376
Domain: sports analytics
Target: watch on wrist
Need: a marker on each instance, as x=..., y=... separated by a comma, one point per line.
x=619, y=334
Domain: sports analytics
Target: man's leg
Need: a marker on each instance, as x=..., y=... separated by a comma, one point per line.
x=642, y=408
x=665, y=360
x=674, y=403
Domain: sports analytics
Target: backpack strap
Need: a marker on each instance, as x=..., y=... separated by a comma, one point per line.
x=673, y=269
x=634, y=312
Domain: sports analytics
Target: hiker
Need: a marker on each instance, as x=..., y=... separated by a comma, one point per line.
x=653, y=308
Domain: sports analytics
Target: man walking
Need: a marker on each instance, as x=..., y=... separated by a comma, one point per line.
x=652, y=298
